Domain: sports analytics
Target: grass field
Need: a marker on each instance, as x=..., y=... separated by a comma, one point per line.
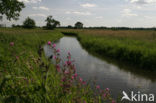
x=135, y=47
x=27, y=76
x=20, y=77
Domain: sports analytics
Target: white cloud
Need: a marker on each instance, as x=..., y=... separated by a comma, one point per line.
x=41, y=8
x=138, y=7
x=78, y=13
x=99, y=17
x=143, y=1
x=148, y=17
x=128, y=13
x=82, y=13
x=30, y=1
x=68, y=12
x=88, y=5
x=41, y=15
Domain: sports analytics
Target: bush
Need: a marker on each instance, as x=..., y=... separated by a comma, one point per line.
x=51, y=23
x=29, y=23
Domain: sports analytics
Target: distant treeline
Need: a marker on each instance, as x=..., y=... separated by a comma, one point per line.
x=21, y=26
x=112, y=28
x=104, y=28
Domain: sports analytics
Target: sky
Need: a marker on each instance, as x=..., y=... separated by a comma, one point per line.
x=110, y=13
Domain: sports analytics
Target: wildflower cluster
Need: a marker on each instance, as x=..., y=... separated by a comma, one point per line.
x=70, y=79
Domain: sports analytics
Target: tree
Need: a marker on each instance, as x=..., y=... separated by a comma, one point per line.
x=69, y=26
x=11, y=9
x=78, y=25
x=29, y=23
x=51, y=23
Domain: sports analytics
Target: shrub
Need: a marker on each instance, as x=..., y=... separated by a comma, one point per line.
x=29, y=23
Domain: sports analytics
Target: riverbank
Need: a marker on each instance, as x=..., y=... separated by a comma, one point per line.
x=27, y=76
x=136, y=48
x=20, y=63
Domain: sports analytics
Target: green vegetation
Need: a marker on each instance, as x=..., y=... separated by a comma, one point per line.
x=78, y=25
x=29, y=23
x=138, y=48
x=51, y=23
x=11, y=9
x=22, y=65
x=26, y=76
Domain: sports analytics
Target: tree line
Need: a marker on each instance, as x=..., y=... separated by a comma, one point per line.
x=30, y=23
x=111, y=28
x=50, y=23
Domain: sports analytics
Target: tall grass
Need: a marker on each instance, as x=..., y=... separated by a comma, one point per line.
x=26, y=76
x=21, y=65
x=138, y=48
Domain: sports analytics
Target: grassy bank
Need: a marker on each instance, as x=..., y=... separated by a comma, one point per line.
x=21, y=65
x=27, y=76
x=137, y=48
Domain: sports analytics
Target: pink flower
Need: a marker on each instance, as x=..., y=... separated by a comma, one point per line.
x=72, y=77
x=68, y=57
x=97, y=87
x=84, y=102
x=75, y=75
x=11, y=43
x=104, y=95
x=68, y=62
x=113, y=101
x=54, y=45
x=58, y=68
x=49, y=42
x=63, y=79
x=83, y=82
x=80, y=79
x=107, y=89
x=54, y=57
x=58, y=50
x=17, y=57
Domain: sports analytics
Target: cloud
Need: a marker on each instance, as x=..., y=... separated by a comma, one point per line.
x=128, y=13
x=87, y=5
x=143, y=1
x=99, y=17
x=30, y=1
x=148, y=17
x=40, y=15
x=68, y=12
x=41, y=8
x=78, y=13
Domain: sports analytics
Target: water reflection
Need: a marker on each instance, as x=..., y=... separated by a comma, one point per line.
x=108, y=75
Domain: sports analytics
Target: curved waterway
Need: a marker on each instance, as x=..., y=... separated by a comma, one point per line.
x=106, y=74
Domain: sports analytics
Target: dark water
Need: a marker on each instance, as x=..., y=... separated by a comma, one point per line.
x=107, y=75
